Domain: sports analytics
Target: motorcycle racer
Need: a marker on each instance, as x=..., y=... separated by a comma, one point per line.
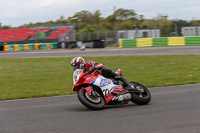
x=79, y=63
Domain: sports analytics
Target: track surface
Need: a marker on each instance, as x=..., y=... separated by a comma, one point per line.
x=172, y=109
x=176, y=50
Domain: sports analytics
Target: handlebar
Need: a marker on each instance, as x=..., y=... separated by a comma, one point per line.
x=91, y=70
x=88, y=72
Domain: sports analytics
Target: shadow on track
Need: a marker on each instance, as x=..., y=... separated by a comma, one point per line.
x=82, y=108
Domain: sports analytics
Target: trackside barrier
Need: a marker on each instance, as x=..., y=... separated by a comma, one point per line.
x=163, y=41
x=16, y=47
x=48, y=46
x=43, y=46
x=6, y=47
x=120, y=43
x=176, y=41
x=37, y=46
x=30, y=46
x=26, y=46
x=21, y=47
x=160, y=41
x=192, y=40
x=144, y=42
x=11, y=47
x=128, y=43
x=54, y=45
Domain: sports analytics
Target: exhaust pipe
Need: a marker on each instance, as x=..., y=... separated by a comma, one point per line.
x=125, y=97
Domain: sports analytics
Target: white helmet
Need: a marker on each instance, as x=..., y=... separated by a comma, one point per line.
x=77, y=63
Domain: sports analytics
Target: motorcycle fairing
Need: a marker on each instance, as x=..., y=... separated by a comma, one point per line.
x=88, y=89
x=109, y=89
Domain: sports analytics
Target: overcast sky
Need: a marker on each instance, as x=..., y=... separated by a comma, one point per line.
x=19, y=12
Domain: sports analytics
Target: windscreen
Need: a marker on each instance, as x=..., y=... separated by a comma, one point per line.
x=76, y=74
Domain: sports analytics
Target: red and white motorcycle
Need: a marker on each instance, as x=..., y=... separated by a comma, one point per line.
x=96, y=91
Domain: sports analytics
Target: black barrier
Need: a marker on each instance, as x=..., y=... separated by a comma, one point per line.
x=94, y=44
x=1, y=48
x=88, y=44
x=67, y=45
x=99, y=44
x=70, y=45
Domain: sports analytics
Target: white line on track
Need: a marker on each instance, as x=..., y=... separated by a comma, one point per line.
x=37, y=98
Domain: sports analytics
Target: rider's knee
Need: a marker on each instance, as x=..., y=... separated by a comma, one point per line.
x=108, y=73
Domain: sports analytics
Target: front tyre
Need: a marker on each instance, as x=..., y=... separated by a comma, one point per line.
x=142, y=98
x=91, y=102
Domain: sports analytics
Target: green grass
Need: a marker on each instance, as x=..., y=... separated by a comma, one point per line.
x=38, y=77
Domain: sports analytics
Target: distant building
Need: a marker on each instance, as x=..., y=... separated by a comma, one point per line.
x=138, y=33
x=190, y=31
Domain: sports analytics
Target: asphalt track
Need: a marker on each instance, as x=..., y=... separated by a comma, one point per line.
x=173, y=109
x=175, y=50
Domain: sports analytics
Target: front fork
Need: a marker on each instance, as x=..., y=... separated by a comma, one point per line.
x=90, y=91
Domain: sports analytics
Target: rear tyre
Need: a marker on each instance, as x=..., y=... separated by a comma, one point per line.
x=94, y=103
x=142, y=98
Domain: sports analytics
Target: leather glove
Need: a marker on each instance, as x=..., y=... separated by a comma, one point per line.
x=93, y=68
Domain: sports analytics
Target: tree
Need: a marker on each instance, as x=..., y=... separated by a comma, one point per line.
x=148, y=23
x=86, y=20
x=5, y=27
x=121, y=15
x=96, y=17
x=83, y=16
x=164, y=24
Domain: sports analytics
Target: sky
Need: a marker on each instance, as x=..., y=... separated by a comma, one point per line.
x=18, y=12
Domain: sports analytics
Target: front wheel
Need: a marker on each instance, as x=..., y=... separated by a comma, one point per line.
x=142, y=98
x=92, y=102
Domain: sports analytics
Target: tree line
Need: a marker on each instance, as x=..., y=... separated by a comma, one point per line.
x=120, y=19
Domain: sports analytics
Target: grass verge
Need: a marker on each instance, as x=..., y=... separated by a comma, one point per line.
x=39, y=77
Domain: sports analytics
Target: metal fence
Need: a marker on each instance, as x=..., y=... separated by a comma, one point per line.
x=112, y=37
x=108, y=36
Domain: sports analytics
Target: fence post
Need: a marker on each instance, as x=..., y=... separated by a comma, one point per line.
x=106, y=34
x=98, y=34
x=89, y=37
x=136, y=30
x=81, y=36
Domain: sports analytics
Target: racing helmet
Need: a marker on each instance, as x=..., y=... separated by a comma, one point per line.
x=77, y=63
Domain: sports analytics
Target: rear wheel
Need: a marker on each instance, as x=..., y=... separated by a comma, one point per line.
x=142, y=98
x=92, y=102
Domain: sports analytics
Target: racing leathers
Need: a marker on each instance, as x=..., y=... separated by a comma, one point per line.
x=106, y=72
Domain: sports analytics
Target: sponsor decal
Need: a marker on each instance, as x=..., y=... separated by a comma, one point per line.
x=92, y=82
x=75, y=79
x=111, y=90
x=105, y=82
x=106, y=93
x=115, y=98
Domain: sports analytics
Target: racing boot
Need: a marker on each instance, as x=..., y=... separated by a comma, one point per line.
x=119, y=72
x=119, y=76
x=108, y=73
x=122, y=79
